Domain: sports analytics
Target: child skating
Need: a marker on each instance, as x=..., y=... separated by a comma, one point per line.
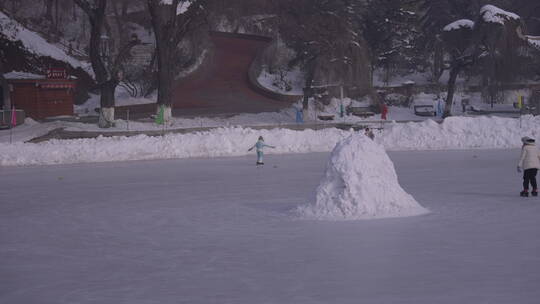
x=260, y=145
x=529, y=162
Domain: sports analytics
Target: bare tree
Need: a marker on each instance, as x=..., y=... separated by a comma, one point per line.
x=328, y=42
x=172, y=20
x=493, y=40
x=458, y=41
x=106, y=67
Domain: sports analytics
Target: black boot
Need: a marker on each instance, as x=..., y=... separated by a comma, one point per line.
x=524, y=193
x=534, y=192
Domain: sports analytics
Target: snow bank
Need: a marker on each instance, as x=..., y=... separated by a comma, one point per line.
x=461, y=133
x=453, y=133
x=458, y=24
x=493, y=14
x=360, y=183
x=215, y=143
x=33, y=42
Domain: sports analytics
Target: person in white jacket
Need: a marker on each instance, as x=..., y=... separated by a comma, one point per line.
x=529, y=162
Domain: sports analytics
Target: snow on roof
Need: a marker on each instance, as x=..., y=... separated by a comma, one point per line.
x=22, y=75
x=459, y=24
x=493, y=14
x=33, y=42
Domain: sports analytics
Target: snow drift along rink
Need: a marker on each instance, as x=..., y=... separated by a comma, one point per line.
x=453, y=133
x=360, y=183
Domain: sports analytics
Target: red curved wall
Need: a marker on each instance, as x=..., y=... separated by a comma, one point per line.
x=224, y=87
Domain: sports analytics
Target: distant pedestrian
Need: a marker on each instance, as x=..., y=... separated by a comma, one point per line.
x=369, y=133
x=299, y=114
x=529, y=162
x=259, y=146
x=440, y=106
x=384, y=111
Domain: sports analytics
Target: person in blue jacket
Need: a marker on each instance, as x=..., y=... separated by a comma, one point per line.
x=259, y=145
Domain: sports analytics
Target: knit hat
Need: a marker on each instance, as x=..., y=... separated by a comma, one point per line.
x=527, y=140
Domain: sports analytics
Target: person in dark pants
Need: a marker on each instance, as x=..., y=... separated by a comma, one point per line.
x=529, y=162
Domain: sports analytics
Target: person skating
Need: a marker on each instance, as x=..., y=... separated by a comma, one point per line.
x=260, y=145
x=529, y=162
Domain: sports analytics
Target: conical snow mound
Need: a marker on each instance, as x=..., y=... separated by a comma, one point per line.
x=360, y=183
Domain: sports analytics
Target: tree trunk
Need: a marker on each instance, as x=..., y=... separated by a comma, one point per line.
x=49, y=11
x=164, y=49
x=107, y=94
x=119, y=21
x=310, y=75
x=169, y=30
x=107, y=83
x=4, y=90
x=56, y=17
x=451, y=88
x=165, y=72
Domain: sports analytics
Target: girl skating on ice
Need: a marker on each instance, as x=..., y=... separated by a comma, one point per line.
x=529, y=162
x=259, y=145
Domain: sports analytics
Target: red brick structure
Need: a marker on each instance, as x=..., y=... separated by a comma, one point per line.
x=43, y=97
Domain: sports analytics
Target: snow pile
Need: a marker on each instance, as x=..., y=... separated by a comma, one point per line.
x=360, y=183
x=461, y=133
x=493, y=14
x=459, y=24
x=453, y=133
x=33, y=42
x=215, y=143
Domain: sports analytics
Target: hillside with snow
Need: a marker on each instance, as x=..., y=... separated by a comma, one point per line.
x=34, y=43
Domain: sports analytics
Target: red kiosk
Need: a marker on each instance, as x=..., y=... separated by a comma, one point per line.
x=42, y=96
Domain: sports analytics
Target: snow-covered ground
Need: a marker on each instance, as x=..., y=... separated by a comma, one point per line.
x=32, y=129
x=223, y=231
x=275, y=82
x=453, y=133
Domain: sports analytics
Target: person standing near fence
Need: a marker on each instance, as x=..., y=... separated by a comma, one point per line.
x=384, y=111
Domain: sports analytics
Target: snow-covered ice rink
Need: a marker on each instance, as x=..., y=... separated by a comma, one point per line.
x=223, y=231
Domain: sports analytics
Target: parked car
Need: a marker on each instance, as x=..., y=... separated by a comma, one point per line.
x=425, y=110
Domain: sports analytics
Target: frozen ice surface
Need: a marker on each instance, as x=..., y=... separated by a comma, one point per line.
x=222, y=231
x=360, y=182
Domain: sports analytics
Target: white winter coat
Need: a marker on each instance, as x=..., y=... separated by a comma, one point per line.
x=530, y=157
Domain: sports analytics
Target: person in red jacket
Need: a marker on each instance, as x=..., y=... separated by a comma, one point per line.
x=384, y=111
